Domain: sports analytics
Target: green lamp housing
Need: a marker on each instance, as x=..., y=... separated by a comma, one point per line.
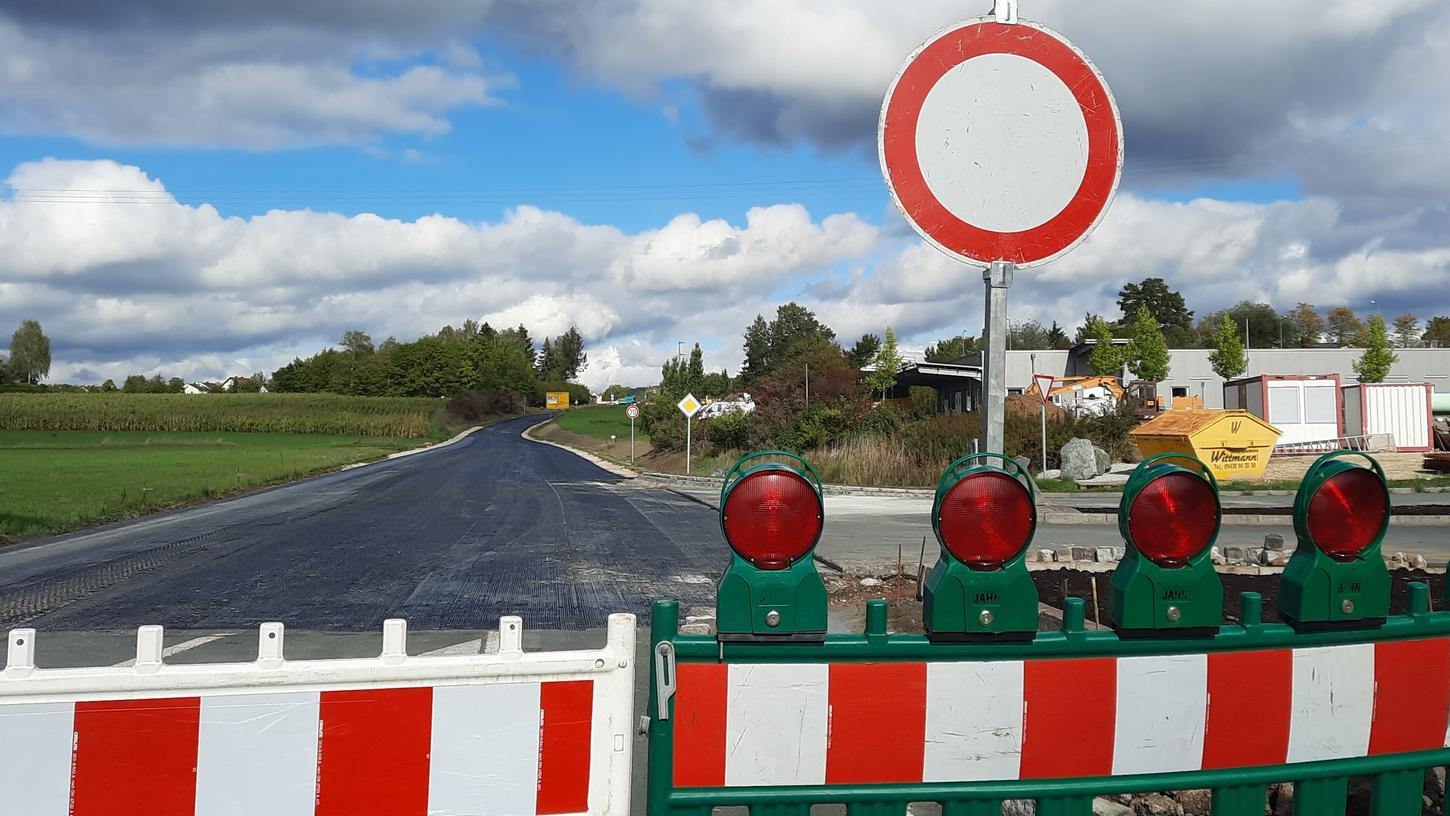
x=771, y=515
x=1337, y=577
x=984, y=516
x=1169, y=517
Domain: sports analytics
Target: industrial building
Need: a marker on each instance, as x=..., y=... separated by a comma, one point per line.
x=959, y=383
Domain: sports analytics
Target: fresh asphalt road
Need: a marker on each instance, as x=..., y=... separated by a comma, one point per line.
x=449, y=539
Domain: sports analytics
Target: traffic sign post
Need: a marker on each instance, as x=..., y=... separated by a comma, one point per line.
x=1002, y=147
x=1044, y=387
x=633, y=413
x=688, y=406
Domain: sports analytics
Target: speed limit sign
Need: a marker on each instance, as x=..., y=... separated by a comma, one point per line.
x=632, y=411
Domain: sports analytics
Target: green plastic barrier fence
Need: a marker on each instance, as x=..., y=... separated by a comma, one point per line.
x=875, y=721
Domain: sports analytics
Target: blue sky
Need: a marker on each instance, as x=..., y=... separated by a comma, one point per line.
x=651, y=172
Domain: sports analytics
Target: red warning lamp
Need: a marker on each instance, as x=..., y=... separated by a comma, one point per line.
x=1348, y=513
x=985, y=519
x=1336, y=576
x=1173, y=518
x=1169, y=517
x=771, y=514
x=772, y=518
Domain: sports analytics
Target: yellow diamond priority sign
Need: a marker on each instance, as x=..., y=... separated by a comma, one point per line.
x=689, y=406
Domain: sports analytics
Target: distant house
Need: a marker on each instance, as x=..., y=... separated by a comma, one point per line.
x=196, y=388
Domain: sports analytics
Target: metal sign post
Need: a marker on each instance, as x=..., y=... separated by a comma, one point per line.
x=1044, y=388
x=1002, y=147
x=997, y=277
x=688, y=406
x=633, y=413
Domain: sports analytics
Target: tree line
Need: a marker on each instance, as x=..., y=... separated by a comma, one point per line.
x=1259, y=325
x=473, y=357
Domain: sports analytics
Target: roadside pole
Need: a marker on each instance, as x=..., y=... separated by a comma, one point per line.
x=688, y=406
x=633, y=413
x=1044, y=437
x=997, y=277
x=1043, y=382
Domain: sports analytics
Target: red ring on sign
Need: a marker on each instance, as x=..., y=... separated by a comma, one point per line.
x=921, y=206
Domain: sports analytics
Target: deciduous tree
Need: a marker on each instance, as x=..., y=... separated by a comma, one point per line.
x=1148, y=351
x=1164, y=304
x=1407, y=331
x=1308, y=325
x=29, y=353
x=1374, y=365
x=1437, y=332
x=887, y=363
x=1228, y=358
x=1344, y=327
x=1106, y=359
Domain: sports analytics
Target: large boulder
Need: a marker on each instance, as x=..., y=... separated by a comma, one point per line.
x=1104, y=461
x=1079, y=461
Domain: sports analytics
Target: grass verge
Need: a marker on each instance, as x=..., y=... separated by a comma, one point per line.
x=600, y=422
x=54, y=481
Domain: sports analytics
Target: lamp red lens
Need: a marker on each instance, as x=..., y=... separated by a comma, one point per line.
x=985, y=519
x=772, y=518
x=1347, y=512
x=1173, y=517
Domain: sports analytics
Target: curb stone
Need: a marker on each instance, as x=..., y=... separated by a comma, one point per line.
x=617, y=470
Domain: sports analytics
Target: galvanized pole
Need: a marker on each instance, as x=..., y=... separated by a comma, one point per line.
x=631, y=440
x=998, y=278
x=1044, y=413
x=1044, y=436
x=688, y=421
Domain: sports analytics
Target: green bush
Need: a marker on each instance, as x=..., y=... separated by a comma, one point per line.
x=942, y=438
x=818, y=427
x=730, y=432
x=923, y=401
x=1024, y=437
x=882, y=420
x=1110, y=432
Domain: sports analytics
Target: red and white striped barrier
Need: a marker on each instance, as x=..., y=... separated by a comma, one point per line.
x=870, y=723
x=495, y=735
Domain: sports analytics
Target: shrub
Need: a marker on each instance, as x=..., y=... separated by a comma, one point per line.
x=730, y=432
x=1110, y=432
x=1024, y=437
x=883, y=420
x=923, y=401
x=942, y=438
x=818, y=427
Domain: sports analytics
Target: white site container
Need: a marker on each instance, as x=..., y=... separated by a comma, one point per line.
x=1401, y=410
x=1306, y=408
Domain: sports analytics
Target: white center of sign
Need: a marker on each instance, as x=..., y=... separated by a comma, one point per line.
x=1002, y=143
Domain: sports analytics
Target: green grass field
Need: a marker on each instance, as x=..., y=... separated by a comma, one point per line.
x=599, y=422
x=58, y=480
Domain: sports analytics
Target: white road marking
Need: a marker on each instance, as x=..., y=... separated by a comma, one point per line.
x=467, y=647
x=184, y=646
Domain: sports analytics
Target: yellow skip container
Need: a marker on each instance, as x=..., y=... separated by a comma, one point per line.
x=1234, y=444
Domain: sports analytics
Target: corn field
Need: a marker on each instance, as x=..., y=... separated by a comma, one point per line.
x=249, y=413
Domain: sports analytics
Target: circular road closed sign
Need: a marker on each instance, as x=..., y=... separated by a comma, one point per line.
x=1000, y=142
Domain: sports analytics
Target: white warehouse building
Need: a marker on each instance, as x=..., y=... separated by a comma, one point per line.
x=959, y=383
